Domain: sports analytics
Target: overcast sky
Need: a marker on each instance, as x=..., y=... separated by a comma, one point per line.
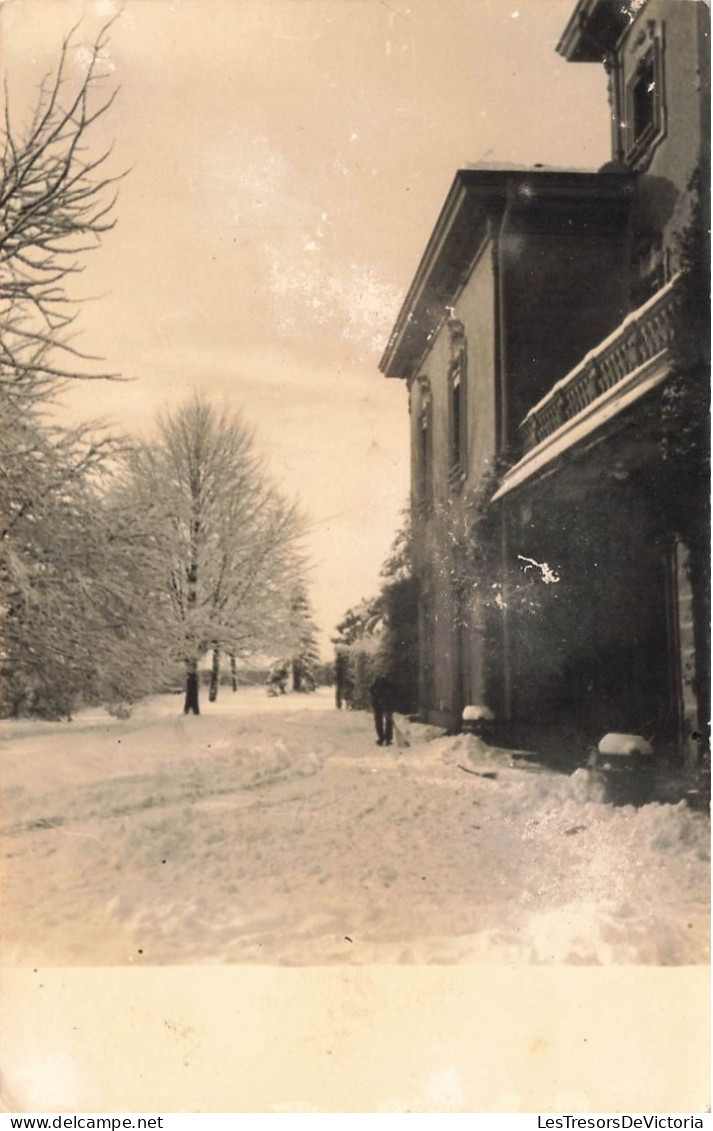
x=288, y=159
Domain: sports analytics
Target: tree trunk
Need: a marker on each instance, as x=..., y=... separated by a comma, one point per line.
x=191, y=703
x=214, y=676
x=233, y=671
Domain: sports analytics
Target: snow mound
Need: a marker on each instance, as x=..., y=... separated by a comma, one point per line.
x=416, y=733
x=470, y=748
x=614, y=906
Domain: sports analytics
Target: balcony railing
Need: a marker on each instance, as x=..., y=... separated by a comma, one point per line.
x=641, y=337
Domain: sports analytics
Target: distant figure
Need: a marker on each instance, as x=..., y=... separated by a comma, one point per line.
x=383, y=701
x=277, y=680
x=340, y=680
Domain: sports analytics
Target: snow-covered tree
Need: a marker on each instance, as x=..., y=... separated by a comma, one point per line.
x=398, y=565
x=260, y=561
x=363, y=619
x=399, y=604
x=380, y=636
x=229, y=537
x=71, y=572
x=305, y=655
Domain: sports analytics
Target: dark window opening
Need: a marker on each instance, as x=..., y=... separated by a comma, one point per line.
x=456, y=414
x=457, y=397
x=424, y=461
x=643, y=98
x=649, y=263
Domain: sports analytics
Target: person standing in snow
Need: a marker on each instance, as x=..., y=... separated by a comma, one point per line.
x=383, y=701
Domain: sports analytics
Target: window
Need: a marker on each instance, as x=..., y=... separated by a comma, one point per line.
x=649, y=263
x=457, y=395
x=424, y=460
x=424, y=448
x=456, y=416
x=642, y=98
x=644, y=104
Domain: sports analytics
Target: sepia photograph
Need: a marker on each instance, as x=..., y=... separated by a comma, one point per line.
x=355, y=556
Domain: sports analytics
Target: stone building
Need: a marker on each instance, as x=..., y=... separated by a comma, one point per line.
x=554, y=343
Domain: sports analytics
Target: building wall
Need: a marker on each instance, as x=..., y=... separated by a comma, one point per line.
x=678, y=32
x=563, y=293
x=545, y=289
x=451, y=662
x=476, y=309
x=593, y=654
x=435, y=634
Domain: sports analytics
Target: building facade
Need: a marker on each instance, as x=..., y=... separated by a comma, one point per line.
x=554, y=344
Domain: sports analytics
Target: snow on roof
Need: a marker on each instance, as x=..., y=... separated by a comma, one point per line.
x=515, y=167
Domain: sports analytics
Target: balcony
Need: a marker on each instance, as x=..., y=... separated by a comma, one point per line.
x=644, y=336
x=636, y=358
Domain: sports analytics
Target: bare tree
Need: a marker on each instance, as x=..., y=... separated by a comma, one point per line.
x=56, y=201
x=229, y=537
x=79, y=619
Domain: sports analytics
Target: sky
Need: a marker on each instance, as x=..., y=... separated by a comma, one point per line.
x=285, y=162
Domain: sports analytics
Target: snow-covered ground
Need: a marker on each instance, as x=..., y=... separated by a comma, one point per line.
x=275, y=831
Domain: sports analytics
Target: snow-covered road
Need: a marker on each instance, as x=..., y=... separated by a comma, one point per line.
x=275, y=831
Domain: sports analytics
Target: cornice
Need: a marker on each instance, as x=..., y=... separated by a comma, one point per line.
x=594, y=29
x=469, y=220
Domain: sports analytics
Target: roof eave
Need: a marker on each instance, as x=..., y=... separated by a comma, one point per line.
x=389, y=363
x=475, y=194
x=594, y=29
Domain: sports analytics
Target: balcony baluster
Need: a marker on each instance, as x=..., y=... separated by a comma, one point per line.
x=641, y=337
